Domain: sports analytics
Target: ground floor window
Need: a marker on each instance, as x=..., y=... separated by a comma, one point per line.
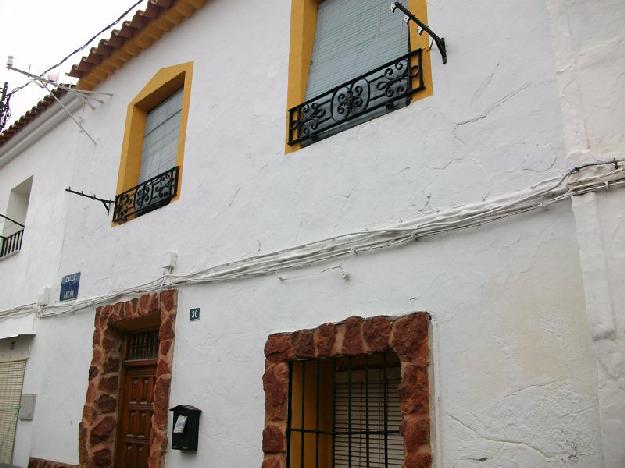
x=345, y=412
x=351, y=394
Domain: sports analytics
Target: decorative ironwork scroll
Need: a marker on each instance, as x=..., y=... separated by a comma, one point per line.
x=11, y=244
x=147, y=196
x=385, y=88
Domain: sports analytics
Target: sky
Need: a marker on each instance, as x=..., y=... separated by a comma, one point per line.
x=39, y=33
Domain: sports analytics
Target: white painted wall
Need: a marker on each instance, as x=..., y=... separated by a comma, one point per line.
x=514, y=361
x=58, y=373
x=513, y=355
x=50, y=164
x=16, y=348
x=591, y=74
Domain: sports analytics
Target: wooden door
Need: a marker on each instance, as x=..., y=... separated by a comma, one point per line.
x=135, y=417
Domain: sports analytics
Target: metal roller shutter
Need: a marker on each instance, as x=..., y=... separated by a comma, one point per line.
x=11, y=379
x=353, y=37
x=160, y=141
x=373, y=411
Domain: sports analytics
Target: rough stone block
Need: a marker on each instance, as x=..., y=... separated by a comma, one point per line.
x=274, y=439
x=102, y=457
x=416, y=432
x=101, y=431
x=278, y=348
x=276, y=386
x=377, y=333
x=410, y=338
x=304, y=344
x=353, y=342
x=414, y=391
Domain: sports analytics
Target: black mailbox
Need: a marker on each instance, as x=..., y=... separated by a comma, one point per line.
x=186, y=428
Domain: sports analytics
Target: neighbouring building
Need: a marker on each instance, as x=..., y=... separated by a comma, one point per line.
x=340, y=249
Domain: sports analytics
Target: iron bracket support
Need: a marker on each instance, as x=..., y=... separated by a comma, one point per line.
x=440, y=42
x=107, y=203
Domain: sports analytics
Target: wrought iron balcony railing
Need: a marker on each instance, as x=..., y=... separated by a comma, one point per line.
x=11, y=244
x=147, y=196
x=383, y=89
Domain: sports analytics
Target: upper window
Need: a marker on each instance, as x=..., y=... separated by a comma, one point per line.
x=153, y=148
x=14, y=219
x=351, y=61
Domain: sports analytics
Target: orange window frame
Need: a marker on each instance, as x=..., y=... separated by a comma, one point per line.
x=162, y=85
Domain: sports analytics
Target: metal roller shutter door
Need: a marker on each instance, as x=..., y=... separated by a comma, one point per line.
x=11, y=379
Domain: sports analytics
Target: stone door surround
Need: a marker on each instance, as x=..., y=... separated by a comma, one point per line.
x=97, y=432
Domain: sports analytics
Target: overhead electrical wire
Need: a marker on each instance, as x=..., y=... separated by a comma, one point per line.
x=80, y=48
x=5, y=111
x=590, y=177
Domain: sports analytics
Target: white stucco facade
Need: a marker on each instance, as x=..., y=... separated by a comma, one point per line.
x=528, y=348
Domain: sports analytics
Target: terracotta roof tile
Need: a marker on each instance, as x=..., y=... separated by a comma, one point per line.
x=129, y=29
x=103, y=50
x=38, y=109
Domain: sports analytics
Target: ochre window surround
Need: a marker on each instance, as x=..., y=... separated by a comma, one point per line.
x=162, y=85
x=408, y=337
x=303, y=31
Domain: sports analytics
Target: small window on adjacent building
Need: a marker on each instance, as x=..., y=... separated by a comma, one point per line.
x=14, y=218
x=345, y=412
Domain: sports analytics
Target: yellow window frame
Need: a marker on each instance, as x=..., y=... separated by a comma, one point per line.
x=303, y=31
x=162, y=85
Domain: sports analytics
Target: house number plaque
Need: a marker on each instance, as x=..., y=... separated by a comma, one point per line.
x=194, y=314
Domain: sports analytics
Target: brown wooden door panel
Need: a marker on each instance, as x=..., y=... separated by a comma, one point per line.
x=135, y=419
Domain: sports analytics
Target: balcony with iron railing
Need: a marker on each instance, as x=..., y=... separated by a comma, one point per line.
x=148, y=196
x=11, y=244
x=377, y=92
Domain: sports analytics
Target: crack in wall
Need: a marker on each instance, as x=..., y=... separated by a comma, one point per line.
x=494, y=106
x=517, y=443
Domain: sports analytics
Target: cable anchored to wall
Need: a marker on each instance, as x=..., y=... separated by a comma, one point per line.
x=408, y=16
x=107, y=203
x=47, y=83
x=5, y=113
x=591, y=177
x=83, y=94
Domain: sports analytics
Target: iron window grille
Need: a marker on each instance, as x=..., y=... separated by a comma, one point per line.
x=150, y=195
x=11, y=244
x=370, y=95
x=143, y=345
x=344, y=412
